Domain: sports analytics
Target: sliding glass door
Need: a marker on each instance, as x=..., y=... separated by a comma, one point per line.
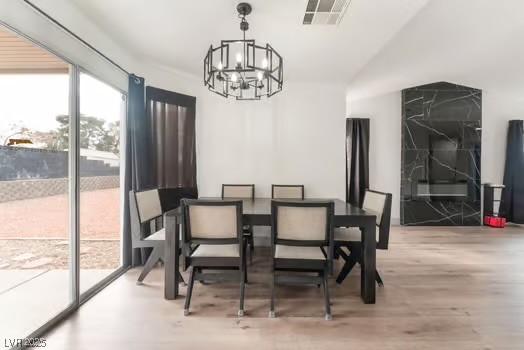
x=35, y=236
x=60, y=194
x=101, y=108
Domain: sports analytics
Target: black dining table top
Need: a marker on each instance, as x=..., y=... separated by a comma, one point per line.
x=262, y=206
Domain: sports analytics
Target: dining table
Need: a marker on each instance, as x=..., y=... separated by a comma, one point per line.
x=257, y=212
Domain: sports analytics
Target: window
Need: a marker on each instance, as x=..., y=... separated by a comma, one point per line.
x=60, y=195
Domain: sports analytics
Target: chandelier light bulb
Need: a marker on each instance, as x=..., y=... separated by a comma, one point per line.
x=260, y=76
x=234, y=77
x=265, y=63
x=220, y=66
x=239, y=57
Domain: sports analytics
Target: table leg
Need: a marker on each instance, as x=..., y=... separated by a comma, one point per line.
x=369, y=250
x=171, y=267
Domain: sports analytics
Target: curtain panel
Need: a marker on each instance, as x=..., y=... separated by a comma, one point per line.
x=357, y=159
x=160, y=153
x=172, y=119
x=138, y=155
x=512, y=201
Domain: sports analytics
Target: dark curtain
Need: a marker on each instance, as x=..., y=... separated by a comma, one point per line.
x=512, y=204
x=160, y=152
x=172, y=119
x=357, y=160
x=170, y=197
x=137, y=161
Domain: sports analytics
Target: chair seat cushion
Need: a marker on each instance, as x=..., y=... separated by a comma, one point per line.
x=216, y=251
x=294, y=252
x=350, y=234
x=159, y=235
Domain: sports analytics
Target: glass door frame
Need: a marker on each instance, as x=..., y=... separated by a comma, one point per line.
x=82, y=298
x=77, y=299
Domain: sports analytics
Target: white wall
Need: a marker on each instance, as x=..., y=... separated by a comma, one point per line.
x=384, y=112
x=295, y=137
x=497, y=110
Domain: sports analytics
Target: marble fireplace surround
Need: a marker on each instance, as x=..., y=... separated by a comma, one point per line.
x=441, y=148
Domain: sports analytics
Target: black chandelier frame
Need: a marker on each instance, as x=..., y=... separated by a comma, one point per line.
x=266, y=81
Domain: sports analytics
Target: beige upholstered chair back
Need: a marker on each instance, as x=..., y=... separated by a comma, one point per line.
x=238, y=191
x=374, y=202
x=148, y=205
x=302, y=223
x=287, y=191
x=213, y=222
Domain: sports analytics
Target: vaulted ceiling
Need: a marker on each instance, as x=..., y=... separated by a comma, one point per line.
x=476, y=43
x=177, y=33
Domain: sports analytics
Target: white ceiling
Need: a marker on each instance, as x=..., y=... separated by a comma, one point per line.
x=469, y=42
x=177, y=33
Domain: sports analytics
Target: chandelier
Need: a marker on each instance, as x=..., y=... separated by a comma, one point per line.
x=241, y=68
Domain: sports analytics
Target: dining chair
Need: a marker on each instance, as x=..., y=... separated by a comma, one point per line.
x=287, y=191
x=301, y=242
x=242, y=191
x=146, y=214
x=213, y=236
x=145, y=209
x=377, y=203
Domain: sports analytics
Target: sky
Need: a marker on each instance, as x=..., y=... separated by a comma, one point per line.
x=34, y=100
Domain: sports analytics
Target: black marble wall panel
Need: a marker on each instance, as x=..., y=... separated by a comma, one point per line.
x=441, y=145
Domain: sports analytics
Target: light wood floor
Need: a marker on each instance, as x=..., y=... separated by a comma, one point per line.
x=445, y=288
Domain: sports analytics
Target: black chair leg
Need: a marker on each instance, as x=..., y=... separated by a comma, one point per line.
x=272, y=305
x=189, y=290
x=378, y=279
x=244, y=260
x=346, y=269
x=342, y=253
x=336, y=252
x=251, y=247
x=180, y=278
x=242, y=287
x=154, y=257
x=326, y=296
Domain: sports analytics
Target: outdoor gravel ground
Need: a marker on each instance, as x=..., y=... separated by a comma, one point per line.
x=47, y=217
x=54, y=254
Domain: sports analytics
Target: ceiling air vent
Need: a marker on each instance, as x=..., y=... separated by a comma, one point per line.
x=325, y=11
